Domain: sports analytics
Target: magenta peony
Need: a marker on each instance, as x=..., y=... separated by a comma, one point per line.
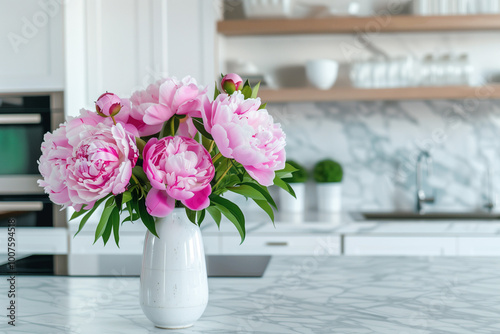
x=179, y=168
x=246, y=134
x=176, y=97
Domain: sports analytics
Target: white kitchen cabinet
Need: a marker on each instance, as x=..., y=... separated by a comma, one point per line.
x=479, y=246
x=309, y=245
x=400, y=245
x=148, y=40
x=32, y=57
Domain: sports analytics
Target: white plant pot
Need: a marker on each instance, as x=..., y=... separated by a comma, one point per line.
x=329, y=197
x=174, y=287
x=290, y=204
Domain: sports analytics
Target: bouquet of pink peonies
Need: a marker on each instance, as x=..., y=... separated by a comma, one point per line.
x=167, y=146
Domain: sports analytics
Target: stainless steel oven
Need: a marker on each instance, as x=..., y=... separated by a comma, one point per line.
x=40, y=224
x=23, y=122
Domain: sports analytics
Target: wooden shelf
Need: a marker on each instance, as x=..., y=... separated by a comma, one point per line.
x=347, y=25
x=383, y=94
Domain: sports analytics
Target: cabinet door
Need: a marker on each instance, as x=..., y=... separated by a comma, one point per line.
x=32, y=46
x=400, y=245
x=281, y=245
x=479, y=246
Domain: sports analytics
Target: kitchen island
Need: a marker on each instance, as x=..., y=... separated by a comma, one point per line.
x=315, y=294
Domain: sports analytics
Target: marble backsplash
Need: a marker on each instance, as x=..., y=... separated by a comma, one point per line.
x=377, y=144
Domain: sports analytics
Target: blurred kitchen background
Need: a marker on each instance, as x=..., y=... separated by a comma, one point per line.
x=370, y=84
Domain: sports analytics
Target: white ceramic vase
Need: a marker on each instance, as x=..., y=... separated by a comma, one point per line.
x=288, y=203
x=174, y=287
x=329, y=196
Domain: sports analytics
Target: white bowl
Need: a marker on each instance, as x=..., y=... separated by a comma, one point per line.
x=322, y=73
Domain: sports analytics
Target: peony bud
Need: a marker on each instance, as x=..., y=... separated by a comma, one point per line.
x=231, y=82
x=108, y=105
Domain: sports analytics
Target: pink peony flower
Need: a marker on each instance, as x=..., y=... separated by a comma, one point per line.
x=178, y=168
x=91, y=118
x=246, y=134
x=231, y=83
x=52, y=166
x=142, y=100
x=176, y=97
x=108, y=104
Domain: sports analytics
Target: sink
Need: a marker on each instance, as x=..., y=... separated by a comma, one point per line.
x=409, y=215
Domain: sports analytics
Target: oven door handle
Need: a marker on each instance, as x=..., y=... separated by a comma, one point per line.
x=20, y=118
x=20, y=206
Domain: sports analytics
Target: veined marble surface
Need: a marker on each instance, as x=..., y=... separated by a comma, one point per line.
x=386, y=295
x=378, y=143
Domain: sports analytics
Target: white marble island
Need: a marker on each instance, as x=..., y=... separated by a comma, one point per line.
x=296, y=295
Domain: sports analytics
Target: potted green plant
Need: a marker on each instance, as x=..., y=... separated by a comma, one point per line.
x=298, y=179
x=328, y=176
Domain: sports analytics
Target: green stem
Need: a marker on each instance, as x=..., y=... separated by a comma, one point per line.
x=216, y=157
x=135, y=179
x=212, y=144
x=172, y=127
x=114, y=121
x=222, y=176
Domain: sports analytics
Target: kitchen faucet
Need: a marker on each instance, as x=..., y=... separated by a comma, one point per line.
x=424, y=156
x=490, y=203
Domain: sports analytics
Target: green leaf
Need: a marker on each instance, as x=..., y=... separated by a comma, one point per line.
x=130, y=211
x=266, y=207
x=283, y=185
x=253, y=191
x=263, y=106
x=287, y=171
x=247, y=92
x=139, y=173
x=232, y=212
x=198, y=124
x=146, y=218
x=77, y=214
x=201, y=216
x=216, y=90
x=255, y=91
x=109, y=228
x=215, y=213
x=246, y=84
x=191, y=215
x=119, y=200
x=115, y=222
x=90, y=212
x=127, y=196
x=101, y=227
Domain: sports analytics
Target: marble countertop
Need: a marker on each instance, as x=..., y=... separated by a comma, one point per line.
x=344, y=224
x=296, y=295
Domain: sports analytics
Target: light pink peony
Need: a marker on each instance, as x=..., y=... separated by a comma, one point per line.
x=52, y=166
x=92, y=118
x=231, y=82
x=176, y=97
x=142, y=100
x=246, y=134
x=108, y=104
x=179, y=168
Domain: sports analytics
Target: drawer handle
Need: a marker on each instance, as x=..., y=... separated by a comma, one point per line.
x=278, y=243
